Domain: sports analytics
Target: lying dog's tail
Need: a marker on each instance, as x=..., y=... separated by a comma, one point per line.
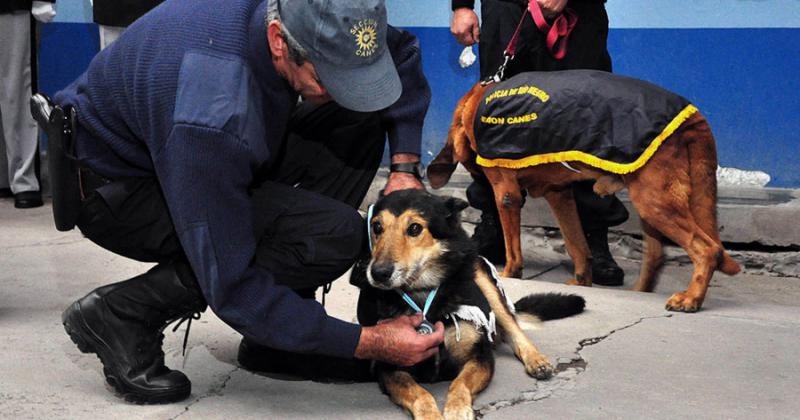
x=548, y=306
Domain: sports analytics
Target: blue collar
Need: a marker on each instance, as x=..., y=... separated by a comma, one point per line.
x=369, y=225
x=414, y=305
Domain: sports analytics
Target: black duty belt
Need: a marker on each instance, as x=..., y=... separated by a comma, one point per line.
x=70, y=183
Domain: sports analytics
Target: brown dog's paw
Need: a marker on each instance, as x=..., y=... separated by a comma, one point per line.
x=458, y=412
x=576, y=282
x=681, y=302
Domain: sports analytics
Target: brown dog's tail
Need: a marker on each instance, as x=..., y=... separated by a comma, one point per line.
x=457, y=148
x=547, y=306
x=703, y=174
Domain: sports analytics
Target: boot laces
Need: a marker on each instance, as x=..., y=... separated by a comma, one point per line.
x=188, y=317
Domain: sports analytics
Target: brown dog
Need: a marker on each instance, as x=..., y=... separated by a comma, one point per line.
x=674, y=192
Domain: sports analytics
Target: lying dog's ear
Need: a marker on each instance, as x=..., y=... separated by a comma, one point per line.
x=358, y=276
x=441, y=168
x=455, y=206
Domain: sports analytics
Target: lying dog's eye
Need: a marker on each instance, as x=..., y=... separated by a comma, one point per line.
x=377, y=228
x=414, y=230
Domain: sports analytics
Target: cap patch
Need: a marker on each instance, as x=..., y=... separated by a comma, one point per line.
x=366, y=35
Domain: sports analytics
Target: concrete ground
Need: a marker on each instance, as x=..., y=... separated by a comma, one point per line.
x=625, y=357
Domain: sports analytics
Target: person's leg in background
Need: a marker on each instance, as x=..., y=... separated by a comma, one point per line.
x=588, y=49
x=499, y=20
x=18, y=131
x=5, y=185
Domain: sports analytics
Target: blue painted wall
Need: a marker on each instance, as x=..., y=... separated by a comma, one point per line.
x=737, y=60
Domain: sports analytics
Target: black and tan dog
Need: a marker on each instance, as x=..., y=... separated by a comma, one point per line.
x=420, y=247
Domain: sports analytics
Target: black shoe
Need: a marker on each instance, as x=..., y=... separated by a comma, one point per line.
x=123, y=322
x=605, y=271
x=314, y=367
x=488, y=236
x=28, y=200
x=6, y=193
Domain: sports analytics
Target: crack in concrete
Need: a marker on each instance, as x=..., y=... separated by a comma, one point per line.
x=51, y=242
x=565, y=373
x=213, y=392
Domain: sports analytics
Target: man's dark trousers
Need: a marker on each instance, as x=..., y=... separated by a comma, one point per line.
x=586, y=50
x=327, y=164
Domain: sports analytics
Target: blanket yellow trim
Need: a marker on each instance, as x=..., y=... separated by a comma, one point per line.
x=606, y=165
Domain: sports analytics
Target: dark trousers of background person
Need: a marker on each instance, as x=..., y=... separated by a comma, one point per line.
x=327, y=164
x=587, y=49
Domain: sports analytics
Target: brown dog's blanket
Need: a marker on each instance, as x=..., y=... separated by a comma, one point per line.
x=611, y=122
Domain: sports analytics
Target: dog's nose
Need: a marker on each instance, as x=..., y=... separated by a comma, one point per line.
x=382, y=273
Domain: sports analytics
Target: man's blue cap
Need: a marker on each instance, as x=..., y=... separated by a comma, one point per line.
x=346, y=43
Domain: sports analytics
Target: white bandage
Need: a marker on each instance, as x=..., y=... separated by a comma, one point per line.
x=43, y=11
x=467, y=57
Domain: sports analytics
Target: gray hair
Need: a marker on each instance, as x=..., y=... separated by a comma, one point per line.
x=297, y=53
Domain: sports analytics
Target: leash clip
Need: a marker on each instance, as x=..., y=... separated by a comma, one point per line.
x=501, y=71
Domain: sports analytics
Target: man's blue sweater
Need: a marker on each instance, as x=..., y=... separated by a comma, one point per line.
x=189, y=95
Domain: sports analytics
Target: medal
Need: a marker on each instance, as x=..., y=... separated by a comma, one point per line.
x=425, y=328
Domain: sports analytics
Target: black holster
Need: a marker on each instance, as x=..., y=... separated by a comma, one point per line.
x=59, y=126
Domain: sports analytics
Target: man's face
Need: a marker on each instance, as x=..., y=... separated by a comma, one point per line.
x=303, y=78
x=305, y=81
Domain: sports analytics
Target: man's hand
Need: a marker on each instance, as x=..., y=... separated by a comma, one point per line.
x=465, y=26
x=552, y=8
x=397, y=342
x=402, y=180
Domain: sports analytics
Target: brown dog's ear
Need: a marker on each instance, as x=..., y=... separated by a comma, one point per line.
x=441, y=168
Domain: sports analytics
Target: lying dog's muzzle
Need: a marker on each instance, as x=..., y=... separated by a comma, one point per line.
x=381, y=274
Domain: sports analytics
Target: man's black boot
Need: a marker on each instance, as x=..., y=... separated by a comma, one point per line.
x=488, y=236
x=605, y=270
x=123, y=322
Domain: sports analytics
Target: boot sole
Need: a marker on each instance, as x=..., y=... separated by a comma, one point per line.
x=88, y=342
x=617, y=280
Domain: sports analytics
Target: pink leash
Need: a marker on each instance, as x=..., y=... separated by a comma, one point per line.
x=558, y=32
x=556, y=39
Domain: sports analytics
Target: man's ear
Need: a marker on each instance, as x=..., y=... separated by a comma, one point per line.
x=277, y=45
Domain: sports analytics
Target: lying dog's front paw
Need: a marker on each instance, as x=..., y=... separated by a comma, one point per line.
x=458, y=412
x=426, y=410
x=537, y=366
x=514, y=273
x=682, y=302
